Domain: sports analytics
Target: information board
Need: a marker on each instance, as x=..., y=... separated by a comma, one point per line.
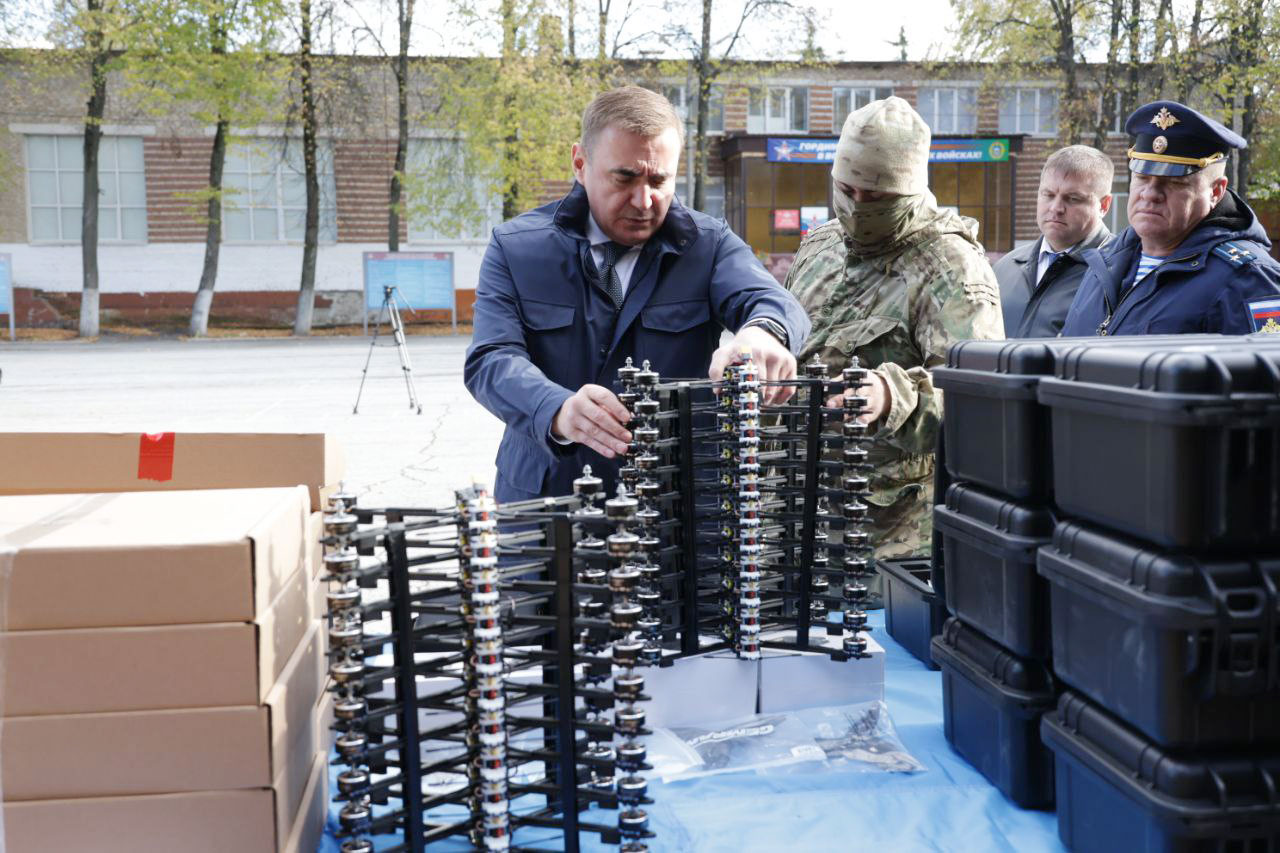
x=6, y=293
x=780, y=150
x=423, y=281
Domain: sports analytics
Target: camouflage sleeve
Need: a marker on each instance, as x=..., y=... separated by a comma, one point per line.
x=959, y=299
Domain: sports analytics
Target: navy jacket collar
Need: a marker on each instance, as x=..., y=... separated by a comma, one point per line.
x=677, y=233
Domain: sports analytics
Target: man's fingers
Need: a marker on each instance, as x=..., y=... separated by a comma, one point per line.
x=605, y=399
x=604, y=428
x=719, y=360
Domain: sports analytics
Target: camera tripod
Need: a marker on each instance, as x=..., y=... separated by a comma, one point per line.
x=389, y=307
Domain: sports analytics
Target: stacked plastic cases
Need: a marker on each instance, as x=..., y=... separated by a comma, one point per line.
x=1140, y=477
x=1164, y=578
x=991, y=520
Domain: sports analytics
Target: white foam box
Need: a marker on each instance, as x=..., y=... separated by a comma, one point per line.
x=701, y=689
x=791, y=680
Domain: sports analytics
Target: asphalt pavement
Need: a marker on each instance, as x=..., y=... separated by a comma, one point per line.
x=394, y=456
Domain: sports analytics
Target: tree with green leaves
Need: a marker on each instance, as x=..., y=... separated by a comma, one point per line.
x=214, y=59
x=715, y=52
x=311, y=227
x=1219, y=56
x=502, y=125
x=94, y=38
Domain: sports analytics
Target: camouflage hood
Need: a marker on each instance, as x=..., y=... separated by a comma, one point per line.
x=884, y=227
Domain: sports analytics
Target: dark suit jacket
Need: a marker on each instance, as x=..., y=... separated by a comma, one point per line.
x=1038, y=310
x=544, y=328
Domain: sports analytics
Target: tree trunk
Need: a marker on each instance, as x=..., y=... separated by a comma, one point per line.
x=402, y=127
x=703, y=101
x=602, y=33
x=1250, y=41
x=1069, y=110
x=573, y=19
x=311, y=233
x=1135, y=56
x=511, y=193
x=1107, y=93
x=95, y=110
x=213, y=233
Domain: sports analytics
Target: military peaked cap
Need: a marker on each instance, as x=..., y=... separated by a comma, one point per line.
x=1172, y=139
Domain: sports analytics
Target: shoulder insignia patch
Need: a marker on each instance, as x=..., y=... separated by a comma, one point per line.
x=1234, y=254
x=1265, y=314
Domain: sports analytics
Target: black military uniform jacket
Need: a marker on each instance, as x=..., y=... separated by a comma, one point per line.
x=1038, y=310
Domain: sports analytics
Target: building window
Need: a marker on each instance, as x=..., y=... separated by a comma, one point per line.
x=951, y=109
x=983, y=191
x=778, y=109
x=1117, y=218
x=713, y=203
x=55, y=189
x=265, y=192
x=846, y=99
x=448, y=200
x=1117, y=113
x=684, y=101
x=1031, y=111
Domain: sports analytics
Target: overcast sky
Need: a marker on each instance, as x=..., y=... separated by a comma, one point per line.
x=865, y=30
x=850, y=29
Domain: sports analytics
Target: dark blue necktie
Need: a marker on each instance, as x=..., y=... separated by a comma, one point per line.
x=608, y=273
x=1053, y=258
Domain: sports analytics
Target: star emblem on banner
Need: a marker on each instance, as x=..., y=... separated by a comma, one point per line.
x=783, y=150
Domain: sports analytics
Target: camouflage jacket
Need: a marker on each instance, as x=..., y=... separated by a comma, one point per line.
x=898, y=312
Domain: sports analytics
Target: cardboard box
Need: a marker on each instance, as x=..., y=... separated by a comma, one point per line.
x=169, y=751
x=308, y=824
x=87, y=670
x=76, y=462
x=247, y=821
x=106, y=560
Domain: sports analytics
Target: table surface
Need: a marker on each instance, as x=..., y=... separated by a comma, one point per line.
x=950, y=806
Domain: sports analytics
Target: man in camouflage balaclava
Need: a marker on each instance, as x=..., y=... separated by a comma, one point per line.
x=894, y=281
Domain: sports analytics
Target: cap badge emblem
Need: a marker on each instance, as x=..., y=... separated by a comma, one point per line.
x=1159, y=144
x=1165, y=119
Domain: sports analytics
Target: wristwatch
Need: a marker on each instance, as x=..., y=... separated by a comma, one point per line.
x=773, y=327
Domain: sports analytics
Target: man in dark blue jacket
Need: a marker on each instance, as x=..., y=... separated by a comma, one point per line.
x=617, y=268
x=1194, y=257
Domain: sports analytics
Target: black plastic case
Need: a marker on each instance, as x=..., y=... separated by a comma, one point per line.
x=991, y=705
x=1172, y=443
x=913, y=612
x=1185, y=650
x=1118, y=792
x=997, y=433
x=989, y=551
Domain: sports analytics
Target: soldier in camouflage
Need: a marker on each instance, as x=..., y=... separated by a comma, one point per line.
x=894, y=281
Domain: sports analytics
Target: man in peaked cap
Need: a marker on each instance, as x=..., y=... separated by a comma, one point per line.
x=1194, y=257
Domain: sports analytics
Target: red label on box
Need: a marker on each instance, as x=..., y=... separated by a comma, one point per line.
x=155, y=456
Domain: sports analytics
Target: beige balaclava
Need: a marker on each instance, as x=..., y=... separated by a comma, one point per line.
x=884, y=147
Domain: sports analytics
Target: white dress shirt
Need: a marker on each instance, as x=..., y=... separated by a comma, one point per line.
x=1047, y=257
x=626, y=264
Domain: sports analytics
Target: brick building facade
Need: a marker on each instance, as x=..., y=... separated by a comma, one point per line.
x=154, y=265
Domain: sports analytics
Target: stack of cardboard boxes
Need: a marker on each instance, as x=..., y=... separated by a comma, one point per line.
x=162, y=664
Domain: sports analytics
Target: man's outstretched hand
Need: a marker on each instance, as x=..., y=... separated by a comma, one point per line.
x=596, y=418
x=879, y=398
x=774, y=360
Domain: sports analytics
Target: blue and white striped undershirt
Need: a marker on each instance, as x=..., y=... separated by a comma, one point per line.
x=1145, y=265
